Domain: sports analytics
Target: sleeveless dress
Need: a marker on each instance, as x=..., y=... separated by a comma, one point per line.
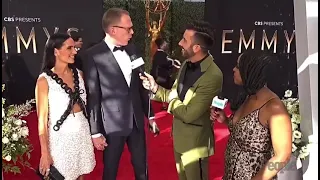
x=71, y=147
x=249, y=147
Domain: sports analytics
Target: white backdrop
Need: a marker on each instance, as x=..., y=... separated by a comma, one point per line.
x=306, y=25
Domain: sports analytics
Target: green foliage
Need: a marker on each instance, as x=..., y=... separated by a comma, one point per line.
x=179, y=14
x=137, y=13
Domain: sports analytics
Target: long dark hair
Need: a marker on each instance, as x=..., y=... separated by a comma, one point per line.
x=253, y=67
x=54, y=42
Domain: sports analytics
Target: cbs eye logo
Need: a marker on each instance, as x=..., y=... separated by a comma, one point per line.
x=258, y=23
x=8, y=19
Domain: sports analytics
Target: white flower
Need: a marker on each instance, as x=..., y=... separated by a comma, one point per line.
x=288, y=93
x=297, y=134
x=289, y=106
x=5, y=140
x=304, y=149
x=24, y=131
x=297, y=141
x=8, y=158
x=15, y=137
x=296, y=118
x=294, y=148
x=303, y=155
x=3, y=113
x=18, y=122
x=294, y=126
x=309, y=146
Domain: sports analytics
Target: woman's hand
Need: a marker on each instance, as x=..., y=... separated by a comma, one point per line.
x=45, y=162
x=218, y=114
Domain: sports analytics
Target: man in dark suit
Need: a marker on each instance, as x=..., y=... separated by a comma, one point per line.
x=117, y=102
x=161, y=67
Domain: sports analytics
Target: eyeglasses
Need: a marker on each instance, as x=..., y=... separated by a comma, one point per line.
x=128, y=29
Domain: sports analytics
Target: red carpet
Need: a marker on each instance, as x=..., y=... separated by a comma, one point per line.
x=160, y=154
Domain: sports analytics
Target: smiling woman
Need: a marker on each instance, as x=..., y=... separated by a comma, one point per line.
x=61, y=99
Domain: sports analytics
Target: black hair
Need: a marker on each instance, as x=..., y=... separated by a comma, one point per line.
x=54, y=42
x=253, y=67
x=75, y=36
x=203, y=34
x=159, y=42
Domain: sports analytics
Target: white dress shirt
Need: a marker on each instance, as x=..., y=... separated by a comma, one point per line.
x=123, y=61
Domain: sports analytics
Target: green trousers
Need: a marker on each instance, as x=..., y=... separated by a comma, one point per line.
x=191, y=168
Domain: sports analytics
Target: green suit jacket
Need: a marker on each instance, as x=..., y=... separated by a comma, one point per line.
x=192, y=130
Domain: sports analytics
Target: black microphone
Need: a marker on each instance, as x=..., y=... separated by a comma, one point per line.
x=136, y=63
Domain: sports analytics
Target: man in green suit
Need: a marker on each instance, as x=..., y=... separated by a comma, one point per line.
x=199, y=80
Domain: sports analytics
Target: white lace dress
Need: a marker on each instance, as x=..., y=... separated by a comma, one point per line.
x=71, y=147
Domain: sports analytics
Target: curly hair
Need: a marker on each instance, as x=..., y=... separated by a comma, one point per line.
x=203, y=34
x=253, y=67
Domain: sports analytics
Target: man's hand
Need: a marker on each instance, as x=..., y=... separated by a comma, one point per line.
x=149, y=83
x=153, y=127
x=99, y=143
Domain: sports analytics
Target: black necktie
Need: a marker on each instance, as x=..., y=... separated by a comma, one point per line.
x=121, y=48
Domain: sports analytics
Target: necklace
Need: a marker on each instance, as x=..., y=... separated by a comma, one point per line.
x=73, y=95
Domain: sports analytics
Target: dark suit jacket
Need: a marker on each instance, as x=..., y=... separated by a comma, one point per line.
x=113, y=106
x=161, y=69
x=78, y=60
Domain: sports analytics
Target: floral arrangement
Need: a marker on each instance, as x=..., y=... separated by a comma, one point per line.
x=16, y=147
x=299, y=147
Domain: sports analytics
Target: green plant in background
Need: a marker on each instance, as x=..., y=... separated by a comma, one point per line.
x=137, y=13
x=16, y=147
x=179, y=14
x=299, y=146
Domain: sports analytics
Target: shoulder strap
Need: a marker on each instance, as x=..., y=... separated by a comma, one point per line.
x=267, y=102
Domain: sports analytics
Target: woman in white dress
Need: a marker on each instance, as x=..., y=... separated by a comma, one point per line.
x=64, y=131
